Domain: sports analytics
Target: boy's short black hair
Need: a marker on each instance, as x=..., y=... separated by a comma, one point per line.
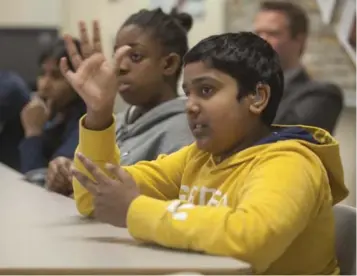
x=248, y=59
x=57, y=50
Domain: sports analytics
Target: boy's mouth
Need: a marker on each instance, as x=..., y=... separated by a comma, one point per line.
x=199, y=129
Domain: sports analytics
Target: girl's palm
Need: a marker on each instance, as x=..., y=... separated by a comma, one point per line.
x=94, y=81
x=94, y=78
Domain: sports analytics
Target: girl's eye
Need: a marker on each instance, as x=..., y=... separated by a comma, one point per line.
x=136, y=57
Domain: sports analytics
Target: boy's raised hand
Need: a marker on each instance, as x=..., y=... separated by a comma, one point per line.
x=94, y=78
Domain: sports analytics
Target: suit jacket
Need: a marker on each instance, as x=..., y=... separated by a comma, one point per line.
x=308, y=102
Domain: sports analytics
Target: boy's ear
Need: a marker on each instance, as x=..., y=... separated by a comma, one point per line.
x=259, y=99
x=171, y=64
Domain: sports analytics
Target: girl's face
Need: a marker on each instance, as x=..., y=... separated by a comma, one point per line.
x=141, y=72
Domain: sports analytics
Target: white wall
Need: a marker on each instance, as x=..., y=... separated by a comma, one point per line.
x=111, y=13
x=326, y=8
x=31, y=13
x=346, y=135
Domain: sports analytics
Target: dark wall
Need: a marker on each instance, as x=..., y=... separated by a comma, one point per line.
x=20, y=50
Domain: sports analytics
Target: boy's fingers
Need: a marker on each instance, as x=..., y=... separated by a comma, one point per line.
x=95, y=171
x=85, y=181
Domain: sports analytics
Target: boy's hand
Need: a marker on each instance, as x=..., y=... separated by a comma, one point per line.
x=59, y=177
x=94, y=78
x=34, y=117
x=112, y=198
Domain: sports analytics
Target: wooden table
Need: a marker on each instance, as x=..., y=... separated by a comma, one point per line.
x=41, y=233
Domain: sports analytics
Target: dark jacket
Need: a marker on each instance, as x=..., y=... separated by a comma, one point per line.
x=58, y=139
x=308, y=102
x=14, y=95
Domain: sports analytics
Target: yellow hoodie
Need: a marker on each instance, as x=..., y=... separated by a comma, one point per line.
x=269, y=205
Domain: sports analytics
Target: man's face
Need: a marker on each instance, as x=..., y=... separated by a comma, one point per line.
x=273, y=26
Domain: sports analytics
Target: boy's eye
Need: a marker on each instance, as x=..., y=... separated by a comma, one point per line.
x=136, y=57
x=56, y=75
x=206, y=90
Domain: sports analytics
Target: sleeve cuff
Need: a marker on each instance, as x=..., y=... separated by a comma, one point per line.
x=143, y=222
x=97, y=145
x=31, y=154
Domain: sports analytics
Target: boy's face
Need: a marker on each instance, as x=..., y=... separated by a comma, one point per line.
x=53, y=86
x=218, y=121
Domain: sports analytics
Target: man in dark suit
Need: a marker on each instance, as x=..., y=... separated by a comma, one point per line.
x=305, y=101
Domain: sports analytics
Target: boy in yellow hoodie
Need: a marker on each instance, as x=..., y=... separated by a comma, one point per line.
x=245, y=189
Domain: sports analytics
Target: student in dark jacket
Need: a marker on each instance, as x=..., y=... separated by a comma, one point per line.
x=14, y=95
x=50, y=119
x=305, y=101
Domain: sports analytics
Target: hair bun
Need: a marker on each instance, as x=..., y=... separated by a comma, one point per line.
x=184, y=19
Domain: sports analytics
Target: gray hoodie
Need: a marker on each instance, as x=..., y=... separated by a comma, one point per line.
x=162, y=130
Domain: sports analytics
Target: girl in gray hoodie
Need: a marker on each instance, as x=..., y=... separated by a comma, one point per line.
x=155, y=122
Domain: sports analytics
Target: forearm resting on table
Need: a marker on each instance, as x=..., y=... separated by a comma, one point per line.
x=100, y=147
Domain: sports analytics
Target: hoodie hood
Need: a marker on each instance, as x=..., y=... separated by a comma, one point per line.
x=132, y=122
x=323, y=145
x=317, y=140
